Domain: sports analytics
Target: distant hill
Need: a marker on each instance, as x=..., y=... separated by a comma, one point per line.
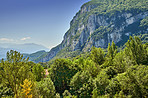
x=27, y=48
x=36, y=55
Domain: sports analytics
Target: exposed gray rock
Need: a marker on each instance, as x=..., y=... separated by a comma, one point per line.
x=85, y=31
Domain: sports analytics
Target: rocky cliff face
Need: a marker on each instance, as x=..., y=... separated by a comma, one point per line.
x=93, y=26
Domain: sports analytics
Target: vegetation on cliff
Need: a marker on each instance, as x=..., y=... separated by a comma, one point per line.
x=100, y=22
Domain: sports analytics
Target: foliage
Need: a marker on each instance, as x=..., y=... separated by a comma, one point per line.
x=111, y=53
x=38, y=72
x=96, y=74
x=91, y=67
x=136, y=51
x=67, y=94
x=26, y=89
x=86, y=65
x=5, y=90
x=61, y=72
x=14, y=71
x=97, y=55
x=101, y=82
x=81, y=84
x=144, y=22
x=121, y=62
x=46, y=88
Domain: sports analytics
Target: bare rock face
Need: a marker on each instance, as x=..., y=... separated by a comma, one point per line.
x=89, y=29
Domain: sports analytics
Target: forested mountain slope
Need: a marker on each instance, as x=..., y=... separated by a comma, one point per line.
x=100, y=22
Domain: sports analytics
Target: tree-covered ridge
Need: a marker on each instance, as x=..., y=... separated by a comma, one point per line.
x=110, y=8
x=100, y=73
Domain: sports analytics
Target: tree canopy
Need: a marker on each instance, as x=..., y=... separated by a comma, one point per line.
x=103, y=73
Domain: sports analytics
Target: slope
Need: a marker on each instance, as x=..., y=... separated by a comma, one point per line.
x=100, y=22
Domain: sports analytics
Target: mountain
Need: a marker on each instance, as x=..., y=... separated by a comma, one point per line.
x=22, y=48
x=34, y=56
x=100, y=22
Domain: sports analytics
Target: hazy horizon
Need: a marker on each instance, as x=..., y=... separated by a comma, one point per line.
x=35, y=21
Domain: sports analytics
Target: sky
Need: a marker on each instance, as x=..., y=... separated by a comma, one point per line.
x=42, y=22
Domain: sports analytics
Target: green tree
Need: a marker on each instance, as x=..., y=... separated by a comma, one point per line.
x=61, y=72
x=81, y=85
x=111, y=53
x=144, y=22
x=97, y=55
x=78, y=63
x=95, y=93
x=101, y=83
x=121, y=62
x=140, y=73
x=5, y=90
x=14, y=71
x=46, y=88
x=114, y=87
x=103, y=79
x=92, y=68
x=88, y=65
x=38, y=72
x=133, y=82
x=136, y=51
x=67, y=94
x=121, y=95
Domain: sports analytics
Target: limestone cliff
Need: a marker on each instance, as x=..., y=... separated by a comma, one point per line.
x=100, y=22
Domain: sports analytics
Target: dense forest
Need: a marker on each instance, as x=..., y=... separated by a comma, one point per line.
x=100, y=73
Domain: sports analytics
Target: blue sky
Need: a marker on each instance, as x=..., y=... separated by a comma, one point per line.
x=36, y=21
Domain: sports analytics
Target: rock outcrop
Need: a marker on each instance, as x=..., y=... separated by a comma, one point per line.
x=92, y=27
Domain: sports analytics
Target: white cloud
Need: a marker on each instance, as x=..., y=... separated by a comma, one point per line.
x=25, y=38
x=6, y=39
